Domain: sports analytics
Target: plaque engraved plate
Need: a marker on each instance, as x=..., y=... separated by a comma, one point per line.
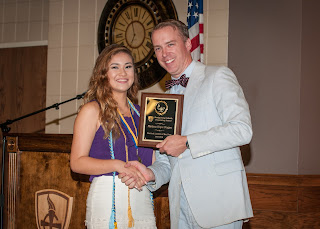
x=160, y=116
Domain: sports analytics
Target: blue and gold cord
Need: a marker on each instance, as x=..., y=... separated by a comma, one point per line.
x=113, y=221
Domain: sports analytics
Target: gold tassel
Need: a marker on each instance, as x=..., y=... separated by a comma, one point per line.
x=115, y=225
x=130, y=218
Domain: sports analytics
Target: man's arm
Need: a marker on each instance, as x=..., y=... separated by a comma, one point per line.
x=162, y=171
x=233, y=110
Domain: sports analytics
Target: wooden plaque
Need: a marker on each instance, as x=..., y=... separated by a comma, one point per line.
x=160, y=116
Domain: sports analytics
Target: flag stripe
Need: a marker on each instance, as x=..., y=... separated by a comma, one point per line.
x=201, y=28
x=195, y=43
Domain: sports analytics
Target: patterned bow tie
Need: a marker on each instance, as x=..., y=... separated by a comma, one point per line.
x=183, y=81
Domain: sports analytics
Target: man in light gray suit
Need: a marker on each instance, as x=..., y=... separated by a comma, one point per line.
x=208, y=186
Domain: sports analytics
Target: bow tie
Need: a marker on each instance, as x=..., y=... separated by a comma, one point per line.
x=183, y=81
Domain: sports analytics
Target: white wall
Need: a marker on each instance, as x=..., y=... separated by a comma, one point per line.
x=69, y=27
x=72, y=50
x=23, y=23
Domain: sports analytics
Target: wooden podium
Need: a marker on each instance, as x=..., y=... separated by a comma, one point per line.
x=35, y=162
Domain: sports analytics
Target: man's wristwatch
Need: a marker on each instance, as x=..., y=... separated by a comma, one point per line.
x=187, y=145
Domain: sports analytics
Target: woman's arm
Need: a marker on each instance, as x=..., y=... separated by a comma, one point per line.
x=85, y=127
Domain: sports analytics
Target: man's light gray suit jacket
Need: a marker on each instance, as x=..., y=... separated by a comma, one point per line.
x=216, y=121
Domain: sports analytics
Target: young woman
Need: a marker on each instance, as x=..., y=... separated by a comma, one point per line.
x=105, y=138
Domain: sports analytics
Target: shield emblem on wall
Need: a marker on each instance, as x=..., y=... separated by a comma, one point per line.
x=53, y=209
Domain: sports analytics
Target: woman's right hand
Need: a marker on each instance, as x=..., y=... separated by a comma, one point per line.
x=144, y=171
x=132, y=177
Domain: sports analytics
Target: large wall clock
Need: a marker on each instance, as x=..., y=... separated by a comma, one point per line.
x=129, y=23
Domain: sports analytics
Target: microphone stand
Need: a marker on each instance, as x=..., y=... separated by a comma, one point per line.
x=5, y=129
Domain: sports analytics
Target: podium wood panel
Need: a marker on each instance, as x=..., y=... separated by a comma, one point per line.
x=45, y=168
x=41, y=161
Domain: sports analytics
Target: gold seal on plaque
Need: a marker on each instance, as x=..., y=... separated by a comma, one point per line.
x=150, y=118
x=161, y=108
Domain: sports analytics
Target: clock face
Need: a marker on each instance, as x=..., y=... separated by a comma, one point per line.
x=130, y=23
x=132, y=28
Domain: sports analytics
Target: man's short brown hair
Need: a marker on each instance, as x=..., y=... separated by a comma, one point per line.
x=175, y=24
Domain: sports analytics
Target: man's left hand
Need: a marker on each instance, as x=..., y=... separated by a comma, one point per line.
x=173, y=145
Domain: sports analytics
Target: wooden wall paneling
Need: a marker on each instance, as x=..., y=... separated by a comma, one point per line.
x=33, y=94
x=23, y=87
x=307, y=220
x=272, y=197
x=284, y=201
x=272, y=220
x=23, y=78
x=309, y=194
x=309, y=201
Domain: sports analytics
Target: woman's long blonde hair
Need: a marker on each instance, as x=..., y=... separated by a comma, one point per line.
x=101, y=91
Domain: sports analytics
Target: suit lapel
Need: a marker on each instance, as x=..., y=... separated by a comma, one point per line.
x=192, y=90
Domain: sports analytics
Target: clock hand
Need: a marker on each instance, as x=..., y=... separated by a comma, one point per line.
x=133, y=29
x=134, y=34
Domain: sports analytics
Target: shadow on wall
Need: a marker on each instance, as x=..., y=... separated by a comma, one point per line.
x=57, y=121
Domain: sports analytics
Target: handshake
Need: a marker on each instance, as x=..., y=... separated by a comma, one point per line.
x=136, y=175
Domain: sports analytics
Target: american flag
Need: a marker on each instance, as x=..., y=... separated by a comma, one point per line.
x=195, y=25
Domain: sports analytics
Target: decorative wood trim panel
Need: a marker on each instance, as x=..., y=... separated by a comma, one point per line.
x=45, y=143
x=284, y=201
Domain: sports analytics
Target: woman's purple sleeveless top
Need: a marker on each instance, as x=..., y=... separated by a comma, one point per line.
x=100, y=147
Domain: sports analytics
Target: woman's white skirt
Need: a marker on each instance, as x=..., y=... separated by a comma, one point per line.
x=99, y=205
